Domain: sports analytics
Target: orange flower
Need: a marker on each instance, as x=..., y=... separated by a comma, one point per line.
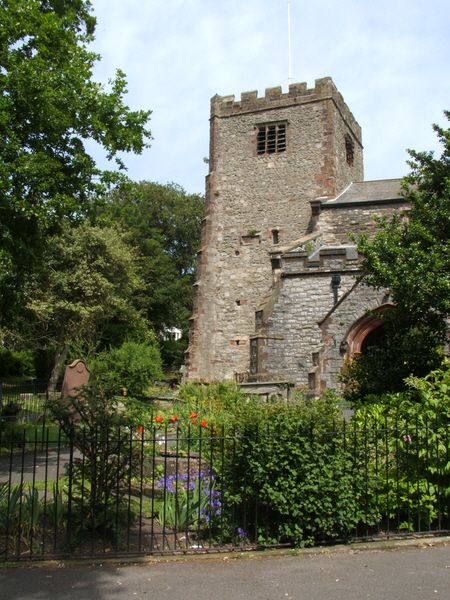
x=140, y=429
x=193, y=415
x=194, y=421
x=173, y=419
x=159, y=419
x=203, y=423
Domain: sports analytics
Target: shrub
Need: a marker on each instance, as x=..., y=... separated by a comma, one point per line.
x=408, y=437
x=200, y=411
x=131, y=367
x=219, y=404
x=100, y=428
x=290, y=476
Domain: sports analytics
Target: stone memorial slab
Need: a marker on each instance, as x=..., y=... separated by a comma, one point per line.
x=76, y=376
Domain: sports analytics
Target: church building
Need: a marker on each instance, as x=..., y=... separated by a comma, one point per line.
x=278, y=296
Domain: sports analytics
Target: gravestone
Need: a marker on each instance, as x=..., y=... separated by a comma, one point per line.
x=76, y=376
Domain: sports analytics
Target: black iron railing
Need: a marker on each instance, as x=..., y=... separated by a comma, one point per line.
x=162, y=490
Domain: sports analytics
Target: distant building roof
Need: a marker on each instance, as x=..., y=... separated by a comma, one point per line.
x=382, y=191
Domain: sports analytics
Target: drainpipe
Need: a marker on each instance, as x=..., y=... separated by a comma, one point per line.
x=335, y=285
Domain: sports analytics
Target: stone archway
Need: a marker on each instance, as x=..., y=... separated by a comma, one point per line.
x=366, y=331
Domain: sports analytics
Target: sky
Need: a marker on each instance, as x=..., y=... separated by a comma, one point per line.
x=389, y=59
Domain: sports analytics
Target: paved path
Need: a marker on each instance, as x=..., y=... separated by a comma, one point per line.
x=45, y=465
x=400, y=574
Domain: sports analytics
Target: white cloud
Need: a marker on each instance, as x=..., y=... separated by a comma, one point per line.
x=389, y=60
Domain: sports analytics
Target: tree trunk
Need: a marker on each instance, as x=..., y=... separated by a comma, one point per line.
x=60, y=358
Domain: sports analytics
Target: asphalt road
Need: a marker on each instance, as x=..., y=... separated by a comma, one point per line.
x=399, y=574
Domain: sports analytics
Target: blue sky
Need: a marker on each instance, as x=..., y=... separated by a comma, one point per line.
x=389, y=59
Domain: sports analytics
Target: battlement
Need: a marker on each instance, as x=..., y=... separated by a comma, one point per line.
x=321, y=260
x=299, y=93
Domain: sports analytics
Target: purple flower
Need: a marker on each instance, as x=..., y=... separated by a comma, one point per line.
x=169, y=484
x=241, y=532
x=407, y=438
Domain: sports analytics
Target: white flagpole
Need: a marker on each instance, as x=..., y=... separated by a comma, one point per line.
x=289, y=43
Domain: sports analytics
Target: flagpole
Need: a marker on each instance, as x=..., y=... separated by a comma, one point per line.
x=289, y=43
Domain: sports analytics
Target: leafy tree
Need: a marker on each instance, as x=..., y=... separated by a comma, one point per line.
x=164, y=222
x=410, y=255
x=89, y=290
x=49, y=107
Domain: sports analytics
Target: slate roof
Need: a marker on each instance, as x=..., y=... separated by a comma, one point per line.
x=381, y=191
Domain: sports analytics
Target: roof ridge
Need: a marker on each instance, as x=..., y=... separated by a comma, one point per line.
x=342, y=192
x=380, y=180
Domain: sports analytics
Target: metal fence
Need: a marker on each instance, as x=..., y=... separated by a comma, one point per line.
x=134, y=492
x=25, y=400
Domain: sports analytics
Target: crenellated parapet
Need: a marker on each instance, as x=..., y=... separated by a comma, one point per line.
x=274, y=98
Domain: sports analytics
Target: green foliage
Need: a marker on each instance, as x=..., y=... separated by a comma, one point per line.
x=172, y=355
x=163, y=222
x=190, y=501
x=305, y=485
x=219, y=404
x=20, y=509
x=97, y=424
x=16, y=363
x=50, y=106
x=16, y=435
x=410, y=255
x=23, y=514
x=132, y=367
x=408, y=348
x=91, y=281
x=410, y=466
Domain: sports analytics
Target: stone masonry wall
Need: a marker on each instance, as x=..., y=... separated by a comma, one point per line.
x=303, y=328
x=342, y=170
x=335, y=327
x=293, y=335
x=337, y=223
x=249, y=196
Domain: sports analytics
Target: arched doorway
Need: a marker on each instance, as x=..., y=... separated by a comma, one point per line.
x=367, y=332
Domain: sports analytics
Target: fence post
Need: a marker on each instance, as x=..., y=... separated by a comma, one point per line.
x=70, y=488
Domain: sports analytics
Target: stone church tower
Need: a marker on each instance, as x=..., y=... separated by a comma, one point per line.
x=274, y=161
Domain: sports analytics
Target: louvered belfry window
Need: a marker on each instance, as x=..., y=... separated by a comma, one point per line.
x=271, y=138
x=349, y=150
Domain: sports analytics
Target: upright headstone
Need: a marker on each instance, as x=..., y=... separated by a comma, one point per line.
x=76, y=375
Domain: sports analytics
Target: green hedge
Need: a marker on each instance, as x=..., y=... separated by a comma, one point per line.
x=291, y=474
